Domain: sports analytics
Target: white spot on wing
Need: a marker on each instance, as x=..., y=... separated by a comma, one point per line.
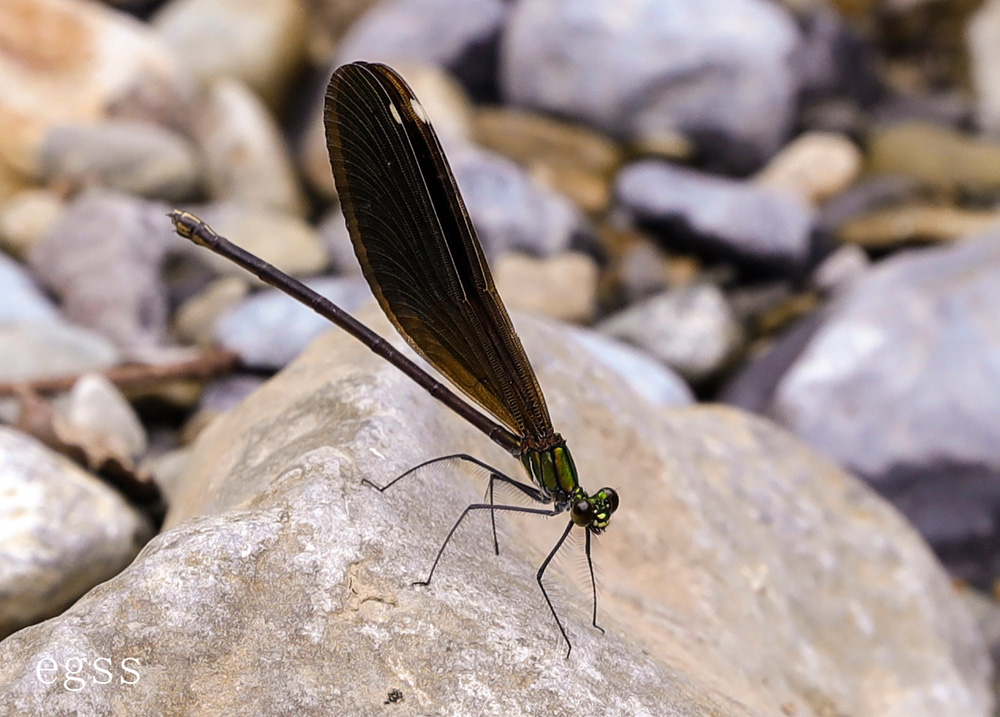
x=395, y=113
x=419, y=111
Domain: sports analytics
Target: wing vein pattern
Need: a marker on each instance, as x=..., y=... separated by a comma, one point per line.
x=418, y=249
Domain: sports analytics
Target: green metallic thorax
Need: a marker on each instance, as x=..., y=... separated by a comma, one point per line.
x=553, y=470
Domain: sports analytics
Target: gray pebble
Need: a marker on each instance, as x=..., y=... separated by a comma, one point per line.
x=691, y=329
x=135, y=157
x=269, y=329
x=43, y=349
x=650, y=378
x=102, y=259
x=510, y=210
x=718, y=217
x=96, y=406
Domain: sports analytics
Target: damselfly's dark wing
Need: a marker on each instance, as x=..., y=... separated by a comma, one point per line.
x=418, y=248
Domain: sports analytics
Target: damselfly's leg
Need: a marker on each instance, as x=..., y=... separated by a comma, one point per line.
x=492, y=507
x=529, y=490
x=545, y=594
x=548, y=512
x=441, y=459
x=593, y=581
x=495, y=475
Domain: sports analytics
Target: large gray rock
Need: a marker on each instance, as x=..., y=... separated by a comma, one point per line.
x=718, y=70
x=741, y=576
x=901, y=383
x=63, y=531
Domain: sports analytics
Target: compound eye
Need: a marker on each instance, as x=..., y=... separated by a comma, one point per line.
x=582, y=513
x=612, y=497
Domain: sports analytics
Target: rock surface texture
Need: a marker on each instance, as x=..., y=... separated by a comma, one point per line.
x=741, y=576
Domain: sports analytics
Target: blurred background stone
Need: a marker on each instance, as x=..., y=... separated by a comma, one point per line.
x=47, y=349
x=720, y=218
x=332, y=230
x=20, y=298
x=244, y=154
x=510, y=211
x=102, y=259
x=64, y=532
x=260, y=42
x=77, y=63
x=880, y=191
x=95, y=406
x=563, y=286
x=936, y=156
x=121, y=155
x=196, y=318
x=984, y=58
x=26, y=217
x=659, y=65
x=657, y=383
x=459, y=35
x=837, y=66
x=329, y=21
x=692, y=330
x=269, y=329
x=903, y=225
x=282, y=239
x=572, y=159
x=815, y=166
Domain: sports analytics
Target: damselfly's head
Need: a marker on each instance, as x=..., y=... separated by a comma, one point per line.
x=593, y=512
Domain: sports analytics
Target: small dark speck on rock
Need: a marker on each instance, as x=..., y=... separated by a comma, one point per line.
x=394, y=695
